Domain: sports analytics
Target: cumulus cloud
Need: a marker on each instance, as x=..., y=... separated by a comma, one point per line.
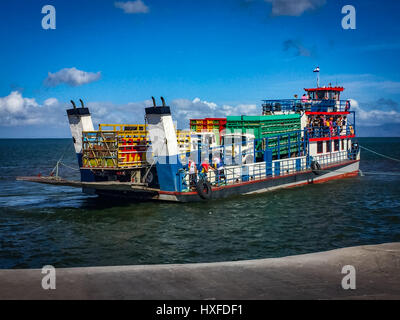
x=16, y=110
x=374, y=116
x=72, y=77
x=297, y=47
x=184, y=110
x=132, y=7
x=294, y=7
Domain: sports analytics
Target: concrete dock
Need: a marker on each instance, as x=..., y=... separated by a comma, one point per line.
x=310, y=276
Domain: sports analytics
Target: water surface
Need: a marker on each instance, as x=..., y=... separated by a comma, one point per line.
x=42, y=225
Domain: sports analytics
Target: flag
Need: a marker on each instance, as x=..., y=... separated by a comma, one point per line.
x=316, y=69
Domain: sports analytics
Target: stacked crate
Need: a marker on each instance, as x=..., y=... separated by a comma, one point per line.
x=215, y=125
x=270, y=127
x=122, y=146
x=183, y=140
x=132, y=147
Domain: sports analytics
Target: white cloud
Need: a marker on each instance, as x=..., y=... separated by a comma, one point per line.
x=294, y=7
x=50, y=102
x=16, y=110
x=184, y=110
x=373, y=117
x=72, y=77
x=14, y=103
x=137, y=6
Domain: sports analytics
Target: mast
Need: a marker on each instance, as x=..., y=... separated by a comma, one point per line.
x=317, y=71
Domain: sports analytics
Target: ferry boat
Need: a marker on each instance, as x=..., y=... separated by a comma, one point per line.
x=293, y=142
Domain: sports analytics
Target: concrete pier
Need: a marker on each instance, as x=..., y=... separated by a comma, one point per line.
x=310, y=276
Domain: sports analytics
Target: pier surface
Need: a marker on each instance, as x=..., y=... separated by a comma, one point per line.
x=309, y=276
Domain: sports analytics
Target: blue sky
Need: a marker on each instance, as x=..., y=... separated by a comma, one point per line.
x=206, y=57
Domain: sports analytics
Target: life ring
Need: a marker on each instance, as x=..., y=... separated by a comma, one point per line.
x=203, y=188
x=316, y=168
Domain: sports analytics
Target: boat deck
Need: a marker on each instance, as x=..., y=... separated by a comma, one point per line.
x=106, y=185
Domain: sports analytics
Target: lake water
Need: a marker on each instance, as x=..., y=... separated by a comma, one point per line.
x=41, y=225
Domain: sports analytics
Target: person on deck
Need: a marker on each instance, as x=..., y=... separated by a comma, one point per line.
x=218, y=167
x=331, y=127
x=192, y=173
x=204, y=169
x=334, y=128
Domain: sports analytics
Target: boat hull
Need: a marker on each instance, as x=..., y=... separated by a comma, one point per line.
x=334, y=171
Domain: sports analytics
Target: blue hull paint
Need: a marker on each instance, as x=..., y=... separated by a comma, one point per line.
x=167, y=170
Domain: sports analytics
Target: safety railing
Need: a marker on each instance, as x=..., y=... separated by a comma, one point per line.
x=330, y=131
x=301, y=105
x=332, y=158
x=137, y=128
x=248, y=160
x=230, y=175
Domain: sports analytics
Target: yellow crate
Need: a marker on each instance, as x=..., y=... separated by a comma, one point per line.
x=123, y=127
x=117, y=148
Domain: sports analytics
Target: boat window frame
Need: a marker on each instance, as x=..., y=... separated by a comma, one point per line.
x=320, y=147
x=336, y=145
x=328, y=146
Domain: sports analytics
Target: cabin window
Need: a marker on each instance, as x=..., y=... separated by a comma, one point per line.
x=336, y=143
x=342, y=144
x=321, y=95
x=244, y=141
x=328, y=146
x=320, y=147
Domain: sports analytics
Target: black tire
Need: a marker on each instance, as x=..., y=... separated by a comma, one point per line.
x=203, y=188
x=152, y=178
x=316, y=168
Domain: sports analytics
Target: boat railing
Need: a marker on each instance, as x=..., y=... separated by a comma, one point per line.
x=315, y=132
x=247, y=161
x=335, y=157
x=301, y=105
x=231, y=175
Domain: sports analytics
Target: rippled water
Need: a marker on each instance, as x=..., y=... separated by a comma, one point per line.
x=42, y=225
